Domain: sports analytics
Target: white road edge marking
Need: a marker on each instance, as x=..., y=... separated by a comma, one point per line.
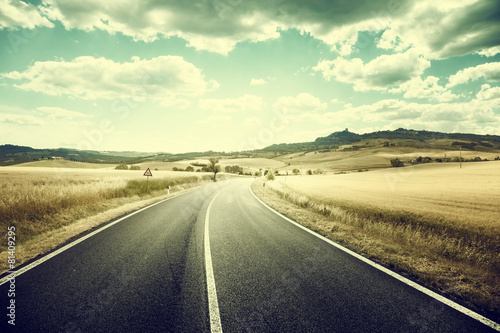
x=213, y=304
x=442, y=299
x=26, y=268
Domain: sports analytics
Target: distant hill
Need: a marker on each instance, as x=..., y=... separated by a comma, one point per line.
x=11, y=154
x=399, y=137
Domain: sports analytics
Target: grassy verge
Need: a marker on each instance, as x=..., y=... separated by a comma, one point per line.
x=46, y=210
x=460, y=263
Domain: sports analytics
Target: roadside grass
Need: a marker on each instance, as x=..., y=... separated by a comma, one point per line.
x=44, y=202
x=458, y=260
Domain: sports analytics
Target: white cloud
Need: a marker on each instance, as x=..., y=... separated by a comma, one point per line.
x=60, y=113
x=160, y=79
x=302, y=103
x=21, y=120
x=489, y=71
x=243, y=103
x=428, y=89
x=378, y=74
x=488, y=93
x=195, y=21
x=436, y=29
x=255, y=82
x=443, y=29
x=215, y=119
x=252, y=122
x=18, y=14
x=467, y=117
x=490, y=52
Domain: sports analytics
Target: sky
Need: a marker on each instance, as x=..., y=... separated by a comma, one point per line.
x=234, y=75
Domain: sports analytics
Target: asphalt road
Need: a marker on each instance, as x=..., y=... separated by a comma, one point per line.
x=148, y=273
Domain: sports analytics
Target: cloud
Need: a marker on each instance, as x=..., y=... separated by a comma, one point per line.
x=229, y=105
x=301, y=104
x=20, y=120
x=205, y=25
x=441, y=30
x=436, y=29
x=215, y=119
x=18, y=14
x=489, y=52
x=255, y=82
x=161, y=78
x=428, y=89
x=488, y=93
x=477, y=115
x=378, y=74
x=60, y=113
x=252, y=122
x=489, y=71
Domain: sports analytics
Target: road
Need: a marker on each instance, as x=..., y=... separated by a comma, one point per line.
x=148, y=273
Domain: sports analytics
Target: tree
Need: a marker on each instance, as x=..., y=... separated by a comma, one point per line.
x=296, y=171
x=213, y=166
x=270, y=175
x=397, y=163
x=189, y=168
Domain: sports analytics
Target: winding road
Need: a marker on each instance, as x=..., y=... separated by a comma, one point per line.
x=217, y=260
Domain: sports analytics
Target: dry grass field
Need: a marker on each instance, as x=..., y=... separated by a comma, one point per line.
x=66, y=164
x=368, y=158
x=39, y=200
x=436, y=222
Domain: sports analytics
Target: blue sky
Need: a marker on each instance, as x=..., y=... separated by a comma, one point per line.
x=229, y=75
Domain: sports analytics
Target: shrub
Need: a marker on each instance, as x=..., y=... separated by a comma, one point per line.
x=309, y=172
x=296, y=171
x=135, y=167
x=396, y=163
x=270, y=176
x=189, y=168
x=121, y=167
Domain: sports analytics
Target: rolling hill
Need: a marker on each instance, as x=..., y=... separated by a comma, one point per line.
x=355, y=150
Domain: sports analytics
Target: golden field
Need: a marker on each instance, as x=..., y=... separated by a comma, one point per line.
x=469, y=196
x=39, y=200
x=435, y=222
x=371, y=157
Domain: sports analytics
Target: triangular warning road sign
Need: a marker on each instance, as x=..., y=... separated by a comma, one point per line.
x=148, y=173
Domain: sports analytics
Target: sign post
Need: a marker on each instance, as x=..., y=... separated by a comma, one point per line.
x=147, y=174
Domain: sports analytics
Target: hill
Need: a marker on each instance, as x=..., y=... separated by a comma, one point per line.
x=11, y=154
x=400, y=137
x=431, y=143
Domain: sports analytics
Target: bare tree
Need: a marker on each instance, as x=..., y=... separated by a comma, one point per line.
x=213, y=166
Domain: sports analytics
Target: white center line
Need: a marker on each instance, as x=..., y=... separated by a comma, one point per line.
x=213, y=304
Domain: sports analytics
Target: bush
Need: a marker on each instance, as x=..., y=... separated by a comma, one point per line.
x=397, y=163
x=318, y=172
x=309, y=172
x=121, y=167
x=296, y=171
x=189, y=168
x=135, y=167
x=270, y=176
